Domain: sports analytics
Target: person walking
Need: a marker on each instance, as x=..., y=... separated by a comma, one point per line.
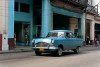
x=26, y=39
x=87, y=40
x=15, y=39
x=96, y=41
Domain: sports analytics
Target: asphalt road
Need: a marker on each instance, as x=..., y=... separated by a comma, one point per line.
x=88, y=57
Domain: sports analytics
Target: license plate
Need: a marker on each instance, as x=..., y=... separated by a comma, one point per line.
x=41, y=49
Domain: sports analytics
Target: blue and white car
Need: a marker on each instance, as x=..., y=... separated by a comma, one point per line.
x=56, y=42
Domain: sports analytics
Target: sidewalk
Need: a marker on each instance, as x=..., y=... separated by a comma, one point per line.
x=29, y=49
x=91, y=46
x=18, y=49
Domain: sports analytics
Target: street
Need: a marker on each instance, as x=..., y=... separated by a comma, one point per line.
x=30, y=27
x=86, y=58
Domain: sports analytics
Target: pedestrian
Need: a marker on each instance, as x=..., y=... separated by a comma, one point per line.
x=15, y=39
x=67, y=35
x=87, y=40
x=26, y=39
x=96, y=41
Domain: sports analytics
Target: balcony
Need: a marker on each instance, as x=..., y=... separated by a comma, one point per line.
x=92, y=9
x=78, y=3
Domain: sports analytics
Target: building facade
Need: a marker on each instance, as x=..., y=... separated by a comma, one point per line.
x=37, y=18
x=93, y=20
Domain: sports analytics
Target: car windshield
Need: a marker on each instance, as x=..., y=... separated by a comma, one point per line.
x=55, y=34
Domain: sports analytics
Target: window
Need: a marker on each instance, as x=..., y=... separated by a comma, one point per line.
x=24, y=7
x=52, y=34
x=69, y=35
x=61, y=34
x=16, y=6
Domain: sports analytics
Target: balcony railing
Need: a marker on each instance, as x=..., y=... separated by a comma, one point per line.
x=80, y=3
x=92, y=9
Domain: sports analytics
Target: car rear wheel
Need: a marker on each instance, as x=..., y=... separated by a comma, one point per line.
x=76, y=50
x=59, y=51
x=37, y=53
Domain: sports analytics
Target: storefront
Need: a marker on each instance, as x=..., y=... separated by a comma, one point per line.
x=37, y=20
x=92, y=27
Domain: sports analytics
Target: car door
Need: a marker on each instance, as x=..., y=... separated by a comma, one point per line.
x=70, y=41
x=67, y=41
x=73, y=41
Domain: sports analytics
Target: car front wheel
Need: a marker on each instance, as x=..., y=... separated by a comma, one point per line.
x=59, y=51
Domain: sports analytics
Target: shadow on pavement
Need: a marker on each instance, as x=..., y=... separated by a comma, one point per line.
x=64, y=54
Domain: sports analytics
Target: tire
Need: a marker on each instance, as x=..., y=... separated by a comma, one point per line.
x=76, y=50
x=59, y=51
x=37, y=53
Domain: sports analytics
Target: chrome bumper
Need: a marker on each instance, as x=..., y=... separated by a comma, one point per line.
x=45, y=47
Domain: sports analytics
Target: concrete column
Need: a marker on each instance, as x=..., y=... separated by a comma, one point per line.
x=3, y=16
x=92, y=26
x=11, y=23
x=83, y=26
x=47, y=17
x=4, y=25
x=32, y=26
x=79, y=28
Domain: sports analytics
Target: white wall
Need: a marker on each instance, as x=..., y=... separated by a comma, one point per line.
x=3, y=16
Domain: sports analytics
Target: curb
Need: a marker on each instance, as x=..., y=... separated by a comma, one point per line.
x=90, y=46
x=15, y=51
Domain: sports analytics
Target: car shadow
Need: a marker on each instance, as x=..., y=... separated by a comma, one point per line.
x=63, y=55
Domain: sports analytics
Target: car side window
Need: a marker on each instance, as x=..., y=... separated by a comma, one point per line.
x=69, y=35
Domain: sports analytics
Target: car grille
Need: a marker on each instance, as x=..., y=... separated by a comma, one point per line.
x=42, y=44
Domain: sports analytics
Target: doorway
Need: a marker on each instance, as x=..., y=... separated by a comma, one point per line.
x=38, y=31
x=20, y=29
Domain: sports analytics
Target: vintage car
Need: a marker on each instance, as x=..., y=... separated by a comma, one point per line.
x=56, y=42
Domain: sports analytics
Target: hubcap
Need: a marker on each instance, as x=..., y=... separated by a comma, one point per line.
x=60, y=51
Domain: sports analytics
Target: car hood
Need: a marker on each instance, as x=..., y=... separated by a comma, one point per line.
x=47, y=40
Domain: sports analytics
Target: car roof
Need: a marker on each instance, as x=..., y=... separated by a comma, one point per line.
x=60, y=31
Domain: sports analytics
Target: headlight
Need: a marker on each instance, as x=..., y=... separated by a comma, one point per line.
x=52, y=41
x=33, y=41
